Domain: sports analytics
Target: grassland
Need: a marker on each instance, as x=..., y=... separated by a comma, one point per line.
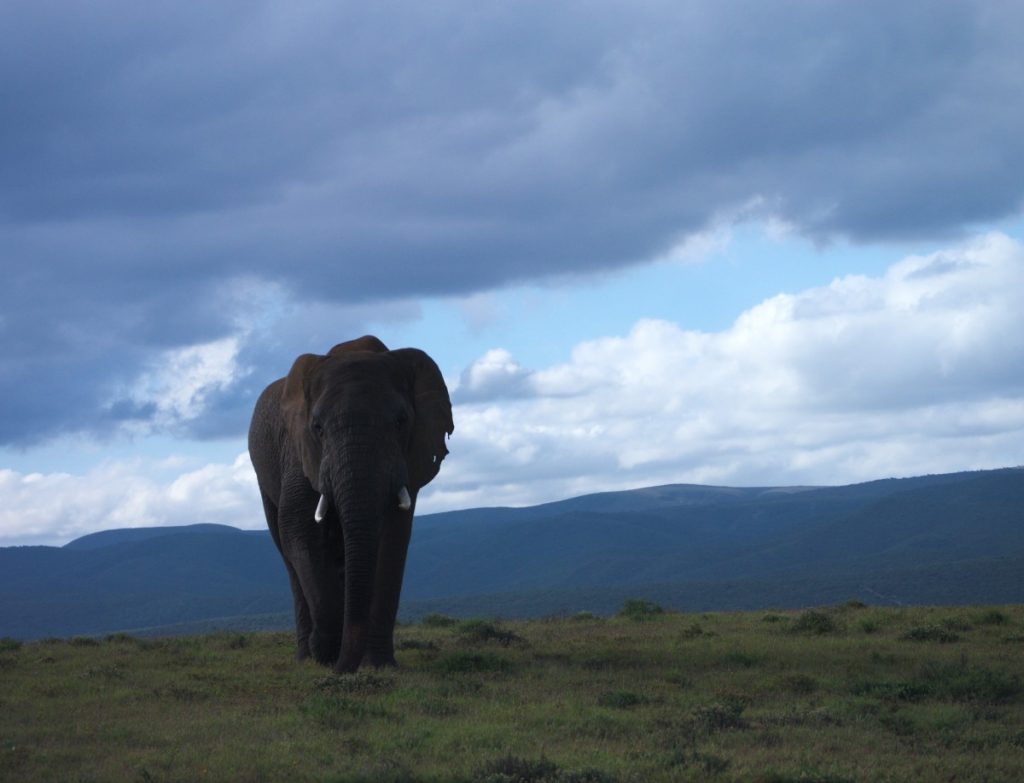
x=847, y=693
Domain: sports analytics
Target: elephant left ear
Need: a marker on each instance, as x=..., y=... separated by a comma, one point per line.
x=433, y=411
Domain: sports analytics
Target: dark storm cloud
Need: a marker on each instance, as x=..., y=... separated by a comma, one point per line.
x=154, y=154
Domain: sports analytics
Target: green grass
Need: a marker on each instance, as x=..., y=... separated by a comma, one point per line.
x=849, y=693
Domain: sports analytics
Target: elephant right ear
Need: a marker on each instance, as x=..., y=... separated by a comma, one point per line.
x=295, y=404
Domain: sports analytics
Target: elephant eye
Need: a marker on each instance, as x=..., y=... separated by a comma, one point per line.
x=317, y=428
x=401, y=420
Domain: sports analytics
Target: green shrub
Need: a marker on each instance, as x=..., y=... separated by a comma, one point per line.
x=694, y=630
x=435, y=620
x=620, y=700
x=465, y=662
x=485, y=631
x=993, y=617
x=638, y=610
x=239, y=642
x=84, y=641
x=720, y=715
x=7, y=644
x=813, y=622
x=959, y=682
x=510, y=769
x=740, y=658
x=120, y=638
x=800, y=683
x=930, y=633
x=415, y=644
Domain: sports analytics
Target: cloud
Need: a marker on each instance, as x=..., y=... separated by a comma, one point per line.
x=57, y=507
x=161, y=159
x=920, y=370
x=495, y=375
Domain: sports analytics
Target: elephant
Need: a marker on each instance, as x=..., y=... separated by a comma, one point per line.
x=341, y=447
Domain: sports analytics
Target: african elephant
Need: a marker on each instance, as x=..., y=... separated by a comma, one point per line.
x=341, y=447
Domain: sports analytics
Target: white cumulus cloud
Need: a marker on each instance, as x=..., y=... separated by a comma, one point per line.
x=57, y=507
x=918, y=370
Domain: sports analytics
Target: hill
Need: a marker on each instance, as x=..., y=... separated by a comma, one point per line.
x=849, y=693
x=955, y=538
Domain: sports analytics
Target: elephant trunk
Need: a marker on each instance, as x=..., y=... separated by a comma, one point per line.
x=359, y=497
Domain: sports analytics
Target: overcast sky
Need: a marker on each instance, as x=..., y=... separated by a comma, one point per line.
x=735, y=243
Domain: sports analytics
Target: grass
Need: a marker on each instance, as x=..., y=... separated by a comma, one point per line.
x=848, y=693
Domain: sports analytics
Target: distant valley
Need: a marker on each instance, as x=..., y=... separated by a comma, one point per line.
x=945, y=539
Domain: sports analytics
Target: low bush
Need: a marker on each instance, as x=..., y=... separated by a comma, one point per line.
x=482, y=631
x=639, y=609
x=620, y=700
x=435, y=620
x=813, y=622
x=930, y=633
x=465, y=662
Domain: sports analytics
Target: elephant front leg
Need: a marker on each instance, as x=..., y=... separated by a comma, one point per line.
x=315, y=586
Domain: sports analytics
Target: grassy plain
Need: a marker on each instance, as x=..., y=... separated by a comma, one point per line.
x=847, y=693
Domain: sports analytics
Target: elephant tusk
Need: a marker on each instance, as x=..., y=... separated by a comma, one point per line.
x=404, y=501
x=321, y=509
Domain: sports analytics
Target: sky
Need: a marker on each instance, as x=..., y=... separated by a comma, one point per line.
x=657, y=242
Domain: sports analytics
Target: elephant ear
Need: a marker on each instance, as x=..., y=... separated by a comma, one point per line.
x=433, y=411
x=295, y=402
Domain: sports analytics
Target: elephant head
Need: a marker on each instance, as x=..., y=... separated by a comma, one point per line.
x=367, y=428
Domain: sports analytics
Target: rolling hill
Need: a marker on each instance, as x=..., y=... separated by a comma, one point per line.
x=955, y=538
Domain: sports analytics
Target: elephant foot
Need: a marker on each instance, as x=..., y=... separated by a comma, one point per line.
x=324, y=647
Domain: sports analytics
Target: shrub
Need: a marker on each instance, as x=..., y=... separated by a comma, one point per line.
x=84, y=641
x=800, y=683
x=970, y=683
x=695, y=630
x=638, y=610
x=813, y=622
x=930, y=633
x=511, y=769
x=120, y=638
x=465, y=662
x=435, y=620
x=869, y=625
x=485, y=631
x=7, y=644
x=720, y=715
x=239, y=642
x=620, y=700
x=415, y=644
x=993, y=617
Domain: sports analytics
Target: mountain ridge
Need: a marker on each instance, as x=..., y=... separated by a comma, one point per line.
x=688, y=545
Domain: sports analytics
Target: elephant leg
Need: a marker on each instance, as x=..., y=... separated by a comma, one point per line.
x=319, y=609
x=394, y=545
x=303, y=623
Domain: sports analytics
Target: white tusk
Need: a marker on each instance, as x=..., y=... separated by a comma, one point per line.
x=404, y=501
x=321, y=509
